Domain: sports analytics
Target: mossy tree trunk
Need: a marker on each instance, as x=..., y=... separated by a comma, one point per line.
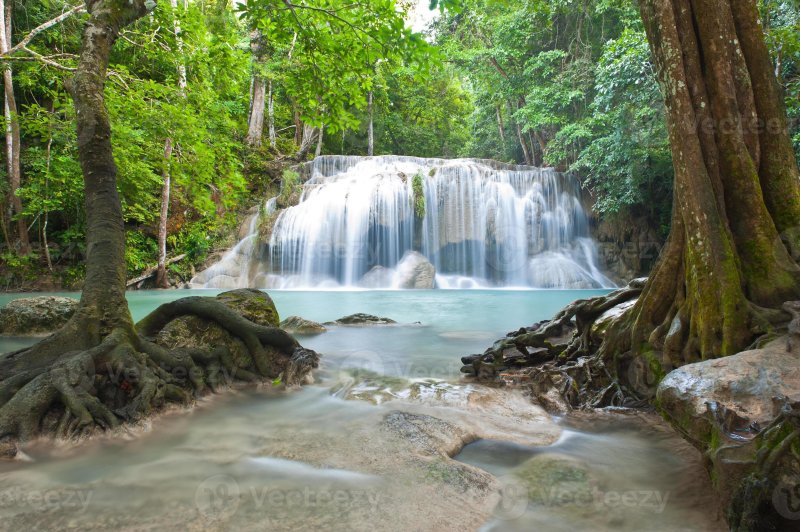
x=101, y=369
x=728, y=260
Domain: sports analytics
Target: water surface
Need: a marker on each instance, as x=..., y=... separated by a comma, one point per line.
x=322, y=457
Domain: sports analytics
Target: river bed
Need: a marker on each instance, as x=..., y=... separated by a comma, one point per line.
x=388, y=438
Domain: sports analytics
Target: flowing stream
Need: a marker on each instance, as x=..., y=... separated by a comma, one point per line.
x=389, y=438
x=371, y=221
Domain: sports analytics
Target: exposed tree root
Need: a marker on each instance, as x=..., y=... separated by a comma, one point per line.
x=577, y=360
x=128, y=375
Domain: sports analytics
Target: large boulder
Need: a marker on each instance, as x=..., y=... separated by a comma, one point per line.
x=741, y=388
x=196, y=332
x=743, y=413
x=36, y=316
x=415, y=271
x=378, y=277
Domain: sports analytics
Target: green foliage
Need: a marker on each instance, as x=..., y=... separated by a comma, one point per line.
x=326, y=52
x=139, y=250
x=291, y=189
x=573, y=82
x=418, y=188
x=781, y=19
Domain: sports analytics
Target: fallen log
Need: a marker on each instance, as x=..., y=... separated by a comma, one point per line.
x=149, y=272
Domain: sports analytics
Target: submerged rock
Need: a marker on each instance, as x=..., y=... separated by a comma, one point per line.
x=362, y=319
x=415, y=271
x=36, y=316
x=429, y=435
x=301, y=326
x=553, y=479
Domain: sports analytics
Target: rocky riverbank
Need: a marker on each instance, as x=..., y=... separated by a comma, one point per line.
x=742, y=412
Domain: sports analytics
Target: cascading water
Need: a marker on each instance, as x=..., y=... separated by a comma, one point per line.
x=361, y=222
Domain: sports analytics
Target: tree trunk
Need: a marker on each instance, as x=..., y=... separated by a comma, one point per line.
x=370, y=128
x=161, y=276
x=298, y=124
x=258, y=93
x=255, y=128
x=538, y=154
x=273, y=137
x=526, y=154
x=13, y=143
x=99, y=370
x=162, y=280
x=309, y=135
x=320, y=136
x=737, y=187
x=48, y=164
x=182, y=82
x=500, y=127
x=103, y=299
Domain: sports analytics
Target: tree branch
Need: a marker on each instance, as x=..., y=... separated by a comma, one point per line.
x=23, y=44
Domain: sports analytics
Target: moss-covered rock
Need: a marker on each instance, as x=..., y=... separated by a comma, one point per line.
x=36, y=316
x=556, y=480
x=301, y=326
x=254, y=305
x=195, y=332
x=362, y=319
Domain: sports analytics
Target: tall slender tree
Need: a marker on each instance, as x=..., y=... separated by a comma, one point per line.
x=13, y=143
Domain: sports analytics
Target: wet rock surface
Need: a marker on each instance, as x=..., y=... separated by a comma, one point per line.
x=743, y=412
x=741, y=392
x=303, y=327
x=378, y=277
x=415, y=271
x=362, y=319
x=36, y=316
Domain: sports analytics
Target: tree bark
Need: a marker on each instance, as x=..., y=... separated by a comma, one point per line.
x=13, y=142
x=320, y=137
x=255, y=128
x=370, y=127
x=255, y=122
x=273, y=137
x=182, y=81
x=500, y=127
x=162, y=280
x=526, y=154
x=103, y=305
x=736, y=188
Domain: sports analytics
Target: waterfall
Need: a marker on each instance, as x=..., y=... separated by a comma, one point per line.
x=360, y=223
